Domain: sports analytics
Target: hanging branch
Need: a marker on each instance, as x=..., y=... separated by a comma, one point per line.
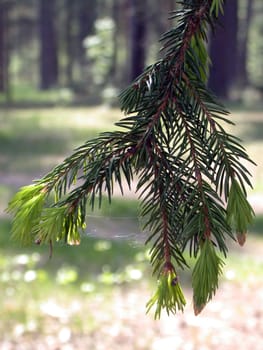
x=190, y=171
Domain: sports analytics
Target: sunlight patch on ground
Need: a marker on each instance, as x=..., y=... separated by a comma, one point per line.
x=76, y=118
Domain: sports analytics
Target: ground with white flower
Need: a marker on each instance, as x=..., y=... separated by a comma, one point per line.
x=117, y=320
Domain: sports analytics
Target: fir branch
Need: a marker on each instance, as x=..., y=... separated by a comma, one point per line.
x=225, y=165
x=172, y=139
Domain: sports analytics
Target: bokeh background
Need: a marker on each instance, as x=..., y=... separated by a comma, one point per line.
x=62, y=65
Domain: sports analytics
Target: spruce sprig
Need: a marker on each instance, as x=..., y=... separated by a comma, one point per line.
x=206, y=272
x=26, y=206
x=191, y=177
x=239, y=212
x=168, y=296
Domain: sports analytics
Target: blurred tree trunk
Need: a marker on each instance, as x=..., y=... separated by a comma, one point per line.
x=48, y=45
x=159, y=21
x=243, y=46
x=4, y=74
x=2, y=48
x=87, y=16
x=223, y=52
x=115, y=38
x=69, y=41
x=123, y=31
x=69, y=22
x=138, y=28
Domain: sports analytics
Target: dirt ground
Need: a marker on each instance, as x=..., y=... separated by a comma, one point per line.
x=233, y=320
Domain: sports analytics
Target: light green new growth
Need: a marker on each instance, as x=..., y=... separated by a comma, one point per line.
x=190, y=171
x=206, y=272
x=27, y=206
x=239, y=212
x=168, y=296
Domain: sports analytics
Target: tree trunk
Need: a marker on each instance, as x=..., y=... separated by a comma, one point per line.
x=137, y=37
x=223, y=52
x=87, y=16
x=69, y=41
x=115, y=41
x=48, y=45
x=3, y=49
x=243, y=49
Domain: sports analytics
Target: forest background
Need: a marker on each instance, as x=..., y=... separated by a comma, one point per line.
x=87, y=51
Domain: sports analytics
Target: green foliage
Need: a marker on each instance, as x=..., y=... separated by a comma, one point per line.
x=239, y=212
x=57, y=220
x=27, y=206
x=205, y=275
x=173, y=141
x=168, y=296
